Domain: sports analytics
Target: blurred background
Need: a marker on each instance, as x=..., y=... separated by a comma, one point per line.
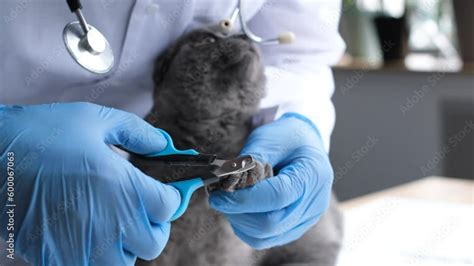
x=403, y=145
x=404, y=94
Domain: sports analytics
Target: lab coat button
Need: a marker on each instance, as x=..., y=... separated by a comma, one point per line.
x=152, y=9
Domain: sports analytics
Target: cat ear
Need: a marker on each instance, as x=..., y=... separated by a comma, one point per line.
x=163, y=62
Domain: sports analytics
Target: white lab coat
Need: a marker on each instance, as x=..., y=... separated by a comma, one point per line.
x=36, y=68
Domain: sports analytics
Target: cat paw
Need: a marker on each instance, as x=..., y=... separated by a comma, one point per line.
x=243, y=180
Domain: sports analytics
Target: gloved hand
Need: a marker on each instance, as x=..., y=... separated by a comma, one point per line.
x=77, y=201
x=280, y=209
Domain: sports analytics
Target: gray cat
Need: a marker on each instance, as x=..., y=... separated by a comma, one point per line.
x=207, y=88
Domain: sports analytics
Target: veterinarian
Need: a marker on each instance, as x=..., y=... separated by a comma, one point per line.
x=68, y=199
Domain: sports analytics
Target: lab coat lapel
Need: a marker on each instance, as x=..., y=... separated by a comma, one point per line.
x=135, y=22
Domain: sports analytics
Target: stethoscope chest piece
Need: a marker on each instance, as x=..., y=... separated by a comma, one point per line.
x=89, y=49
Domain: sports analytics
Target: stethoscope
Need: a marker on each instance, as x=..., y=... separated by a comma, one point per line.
x=91, y=50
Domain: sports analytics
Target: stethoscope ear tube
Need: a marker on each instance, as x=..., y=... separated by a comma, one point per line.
x=227, y=24
x=74, y=5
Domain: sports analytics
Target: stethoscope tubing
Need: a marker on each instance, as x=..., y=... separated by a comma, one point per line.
x=94, y=53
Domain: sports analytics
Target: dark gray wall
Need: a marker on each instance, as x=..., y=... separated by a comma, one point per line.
x=397, y=126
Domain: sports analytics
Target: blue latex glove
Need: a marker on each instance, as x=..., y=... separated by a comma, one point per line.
x=77, y=201
x=282, y=208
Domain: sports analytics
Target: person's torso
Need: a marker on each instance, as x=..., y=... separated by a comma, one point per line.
x=35, y=66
